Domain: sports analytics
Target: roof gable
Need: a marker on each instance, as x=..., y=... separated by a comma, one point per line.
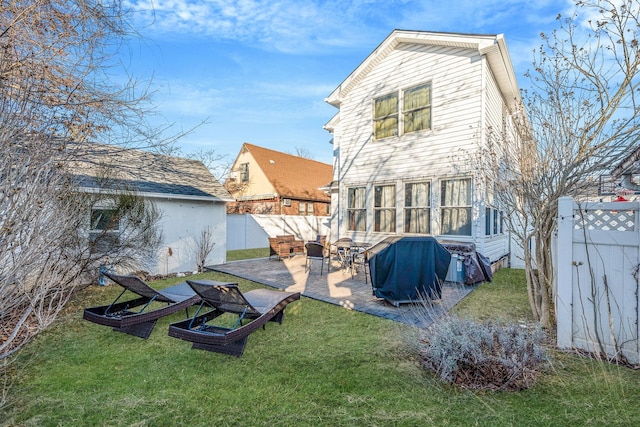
x=144, y=172
x=292, y=176
x=493, y=46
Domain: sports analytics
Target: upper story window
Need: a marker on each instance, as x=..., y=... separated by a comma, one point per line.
x=455, y=207
x=415, y=114
x=244, y=172
x=356, y=208
x=385, y=116
x=384, y=206
x=417, y=207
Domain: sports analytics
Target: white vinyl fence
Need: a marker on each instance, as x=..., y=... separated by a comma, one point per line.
x=597, y=259
x=247, y=231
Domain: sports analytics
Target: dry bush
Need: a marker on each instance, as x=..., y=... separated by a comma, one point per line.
x=483, y=355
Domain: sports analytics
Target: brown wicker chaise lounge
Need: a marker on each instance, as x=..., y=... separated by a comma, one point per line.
x=120, y=315
x=259, y=306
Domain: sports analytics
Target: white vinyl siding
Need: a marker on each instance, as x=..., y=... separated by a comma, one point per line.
x=456, y=114
x=464, y=102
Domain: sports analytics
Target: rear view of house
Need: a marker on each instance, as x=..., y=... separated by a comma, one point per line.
x=413, y=123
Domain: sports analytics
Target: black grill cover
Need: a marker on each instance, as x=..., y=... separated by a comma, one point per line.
x=405, y=269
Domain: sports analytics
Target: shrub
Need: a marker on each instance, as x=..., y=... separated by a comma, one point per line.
x=483, y=355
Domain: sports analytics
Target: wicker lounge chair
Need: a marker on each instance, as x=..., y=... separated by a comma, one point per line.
x=120, y=315
x=259, y=306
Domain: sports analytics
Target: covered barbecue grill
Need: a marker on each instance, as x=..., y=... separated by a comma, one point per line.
x=477, y=267
x=408, y=269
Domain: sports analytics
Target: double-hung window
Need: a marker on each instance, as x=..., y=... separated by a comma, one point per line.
x=305, y=208
x=493, y=221
x=356, y=209
x=417, y=207
x=455, y=207
x=385, y=116
x=416, y=111
x=384, y=206
x=415, y=115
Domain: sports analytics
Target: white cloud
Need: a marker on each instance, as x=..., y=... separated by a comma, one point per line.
x=290, y=26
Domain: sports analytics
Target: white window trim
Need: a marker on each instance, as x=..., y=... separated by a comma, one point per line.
x=400, y=112
x=429, y=207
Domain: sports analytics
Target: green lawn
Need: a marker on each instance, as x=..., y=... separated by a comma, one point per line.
x=324, y=366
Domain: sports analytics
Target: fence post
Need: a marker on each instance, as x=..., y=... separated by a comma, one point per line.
x=564, y=276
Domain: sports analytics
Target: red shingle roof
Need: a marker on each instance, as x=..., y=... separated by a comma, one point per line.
x=292, y=176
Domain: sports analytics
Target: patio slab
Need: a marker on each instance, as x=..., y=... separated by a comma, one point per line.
x=339, y=288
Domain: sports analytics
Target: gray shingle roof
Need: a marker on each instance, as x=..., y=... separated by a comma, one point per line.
x=144, y=172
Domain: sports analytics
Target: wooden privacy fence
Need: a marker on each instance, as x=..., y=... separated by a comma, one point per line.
x=597, y=258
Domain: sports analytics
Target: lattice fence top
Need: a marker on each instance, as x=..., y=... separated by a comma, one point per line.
x=605, y=219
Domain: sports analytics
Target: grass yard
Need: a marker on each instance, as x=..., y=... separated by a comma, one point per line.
x=324, y=366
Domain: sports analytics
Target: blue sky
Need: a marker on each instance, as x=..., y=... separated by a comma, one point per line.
x=258, y=71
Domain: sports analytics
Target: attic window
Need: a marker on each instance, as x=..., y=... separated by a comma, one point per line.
x=244, y=172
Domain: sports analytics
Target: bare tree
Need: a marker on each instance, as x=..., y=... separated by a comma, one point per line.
x=204, y=245
x=304, y=152
x=218, y=164
x=56, y=59
x=581, y=114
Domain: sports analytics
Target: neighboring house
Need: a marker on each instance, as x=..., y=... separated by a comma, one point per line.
x=624, y=180
x=264, y=181
x=189, y=198
x=415, y=118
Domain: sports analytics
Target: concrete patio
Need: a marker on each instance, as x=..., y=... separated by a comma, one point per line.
x=339, y=288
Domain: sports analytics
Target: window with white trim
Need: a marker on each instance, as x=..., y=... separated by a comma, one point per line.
x=385, y=116
x=493, y=222
x=417, y=207
x=415, y=115
x=455, y=207
x=305, y=208
x=356, y=209
x=416, y=112
x=384, y=208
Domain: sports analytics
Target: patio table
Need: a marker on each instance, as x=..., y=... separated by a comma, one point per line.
x=347, y=251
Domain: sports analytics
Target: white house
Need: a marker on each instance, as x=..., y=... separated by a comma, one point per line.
x=189, y=198
x=414, y=120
